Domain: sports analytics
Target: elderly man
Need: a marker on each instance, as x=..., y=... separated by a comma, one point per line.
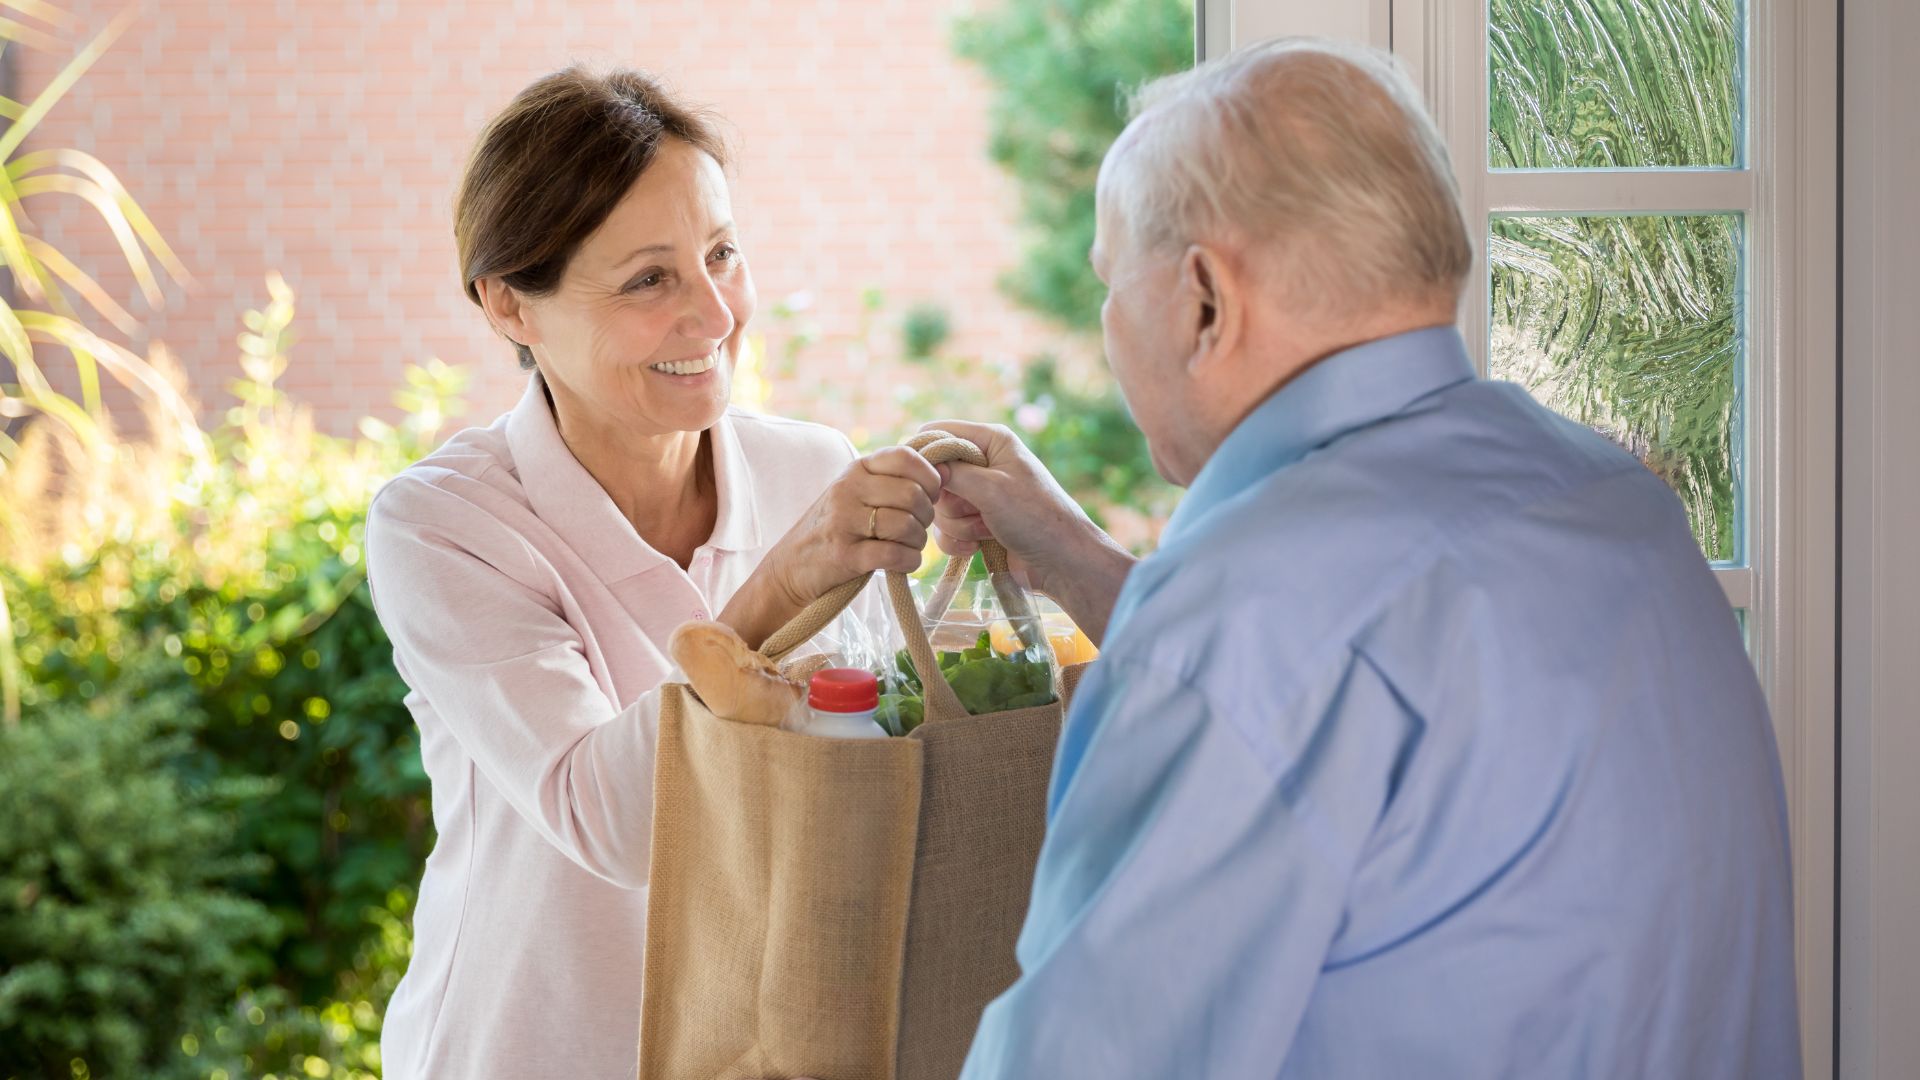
x=1425, y=744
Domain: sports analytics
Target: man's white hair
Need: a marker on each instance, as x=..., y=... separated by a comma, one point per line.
x=1316, y=155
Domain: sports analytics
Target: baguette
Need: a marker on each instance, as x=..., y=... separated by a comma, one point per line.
x=736, y=682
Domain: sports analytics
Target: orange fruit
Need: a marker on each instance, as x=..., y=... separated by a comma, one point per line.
x=1070, y=644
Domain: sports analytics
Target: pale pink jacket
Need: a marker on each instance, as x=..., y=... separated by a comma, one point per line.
x=530, y=622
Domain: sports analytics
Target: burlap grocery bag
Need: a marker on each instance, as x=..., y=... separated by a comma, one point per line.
x=840, y=908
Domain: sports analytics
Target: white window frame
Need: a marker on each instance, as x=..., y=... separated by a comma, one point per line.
x=1787, y=193
x=1880, y=578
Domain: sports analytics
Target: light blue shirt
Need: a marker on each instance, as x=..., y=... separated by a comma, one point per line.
x=1425, y=746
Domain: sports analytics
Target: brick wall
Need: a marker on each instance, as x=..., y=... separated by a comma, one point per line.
x=324, y=140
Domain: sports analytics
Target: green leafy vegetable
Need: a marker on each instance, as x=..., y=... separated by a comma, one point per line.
x=899, y=713
x=983, y=681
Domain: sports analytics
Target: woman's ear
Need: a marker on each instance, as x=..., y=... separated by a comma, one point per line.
x=509, y=315
x=1211, y=294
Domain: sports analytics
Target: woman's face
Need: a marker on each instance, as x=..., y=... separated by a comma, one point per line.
x=644, y=330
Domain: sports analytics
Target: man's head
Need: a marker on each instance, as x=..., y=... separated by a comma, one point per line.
x=1259, y=213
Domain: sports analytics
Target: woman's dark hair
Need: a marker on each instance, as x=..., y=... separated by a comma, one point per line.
x=550, y=168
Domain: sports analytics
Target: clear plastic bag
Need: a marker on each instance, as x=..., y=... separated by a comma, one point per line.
x=996, y=660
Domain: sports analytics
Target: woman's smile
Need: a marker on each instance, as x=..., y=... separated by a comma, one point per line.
x=697, y=369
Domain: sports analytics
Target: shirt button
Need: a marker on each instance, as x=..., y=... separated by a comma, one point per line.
x=698, y=614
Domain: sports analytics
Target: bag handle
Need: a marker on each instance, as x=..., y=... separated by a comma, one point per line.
x=938, y=447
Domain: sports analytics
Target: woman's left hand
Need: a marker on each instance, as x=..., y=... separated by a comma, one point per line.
x=875, y=516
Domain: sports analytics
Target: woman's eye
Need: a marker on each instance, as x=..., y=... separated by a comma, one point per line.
x=647, y=281
x=726, y=252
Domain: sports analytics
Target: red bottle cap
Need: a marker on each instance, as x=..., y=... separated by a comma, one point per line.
x=843, y=690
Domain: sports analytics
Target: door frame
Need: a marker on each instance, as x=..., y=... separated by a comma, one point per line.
x=1792, y=191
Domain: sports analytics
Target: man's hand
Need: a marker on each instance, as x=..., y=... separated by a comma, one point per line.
x=1016, y=501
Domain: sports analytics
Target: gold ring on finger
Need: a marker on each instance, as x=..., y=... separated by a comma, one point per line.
x=873, y=523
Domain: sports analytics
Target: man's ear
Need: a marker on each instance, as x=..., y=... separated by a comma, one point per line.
x=1210, y=295
x=506, y=311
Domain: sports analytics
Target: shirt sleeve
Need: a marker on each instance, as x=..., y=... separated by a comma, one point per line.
x=1193, y=875
x=508, y=676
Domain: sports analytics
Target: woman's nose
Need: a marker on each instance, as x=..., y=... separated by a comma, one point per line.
x=707, y=314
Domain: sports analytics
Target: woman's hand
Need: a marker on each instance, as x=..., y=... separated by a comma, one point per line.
x=874, y=517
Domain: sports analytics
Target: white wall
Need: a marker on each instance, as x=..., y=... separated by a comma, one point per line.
x=1879, y=1017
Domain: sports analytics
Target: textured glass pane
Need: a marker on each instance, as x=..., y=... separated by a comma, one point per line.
x=1594, y=84
x=1633, y=326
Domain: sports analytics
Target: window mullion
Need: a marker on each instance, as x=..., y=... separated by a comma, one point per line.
x=1624, y=191
x=1738, y=583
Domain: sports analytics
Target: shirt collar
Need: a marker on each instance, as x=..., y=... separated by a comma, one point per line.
x=567, y=497
x=1348, y=390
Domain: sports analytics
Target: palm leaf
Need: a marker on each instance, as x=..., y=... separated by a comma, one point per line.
x=129, y=368
x=13, y=338
x=62, y=82
x=31, y=36
x=62, y=268
x=13, y=247
x=42, y=10
x=37, y=392
x=110, y=212
x=44, y=274
x=97, y=171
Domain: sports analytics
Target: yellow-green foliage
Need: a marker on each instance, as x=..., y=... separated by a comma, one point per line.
x=225, y=568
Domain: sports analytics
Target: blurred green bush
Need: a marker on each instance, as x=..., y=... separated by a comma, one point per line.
x=225, y=574
x=215, y=813
x=1061, y=72
x=120, y=923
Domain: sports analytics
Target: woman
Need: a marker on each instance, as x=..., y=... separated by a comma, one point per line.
x=530, y=572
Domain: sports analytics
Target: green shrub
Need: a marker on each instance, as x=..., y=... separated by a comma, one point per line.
x=267, y=1032
x=1089, y=440
x=227, y=571
x=240, y=572
x=119, y=923
x=923, y=329
x=184, y=623
x=1061, y=71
